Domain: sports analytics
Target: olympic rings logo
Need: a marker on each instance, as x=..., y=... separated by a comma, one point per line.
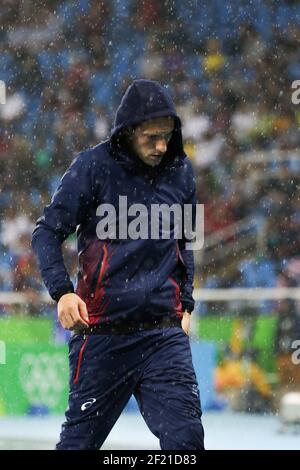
x=42, y=377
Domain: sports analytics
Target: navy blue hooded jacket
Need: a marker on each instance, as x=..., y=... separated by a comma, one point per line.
x=121, y=281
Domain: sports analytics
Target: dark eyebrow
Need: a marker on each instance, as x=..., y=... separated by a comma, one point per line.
x=158, y=133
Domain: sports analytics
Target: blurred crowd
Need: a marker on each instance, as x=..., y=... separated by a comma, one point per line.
x=229, y=66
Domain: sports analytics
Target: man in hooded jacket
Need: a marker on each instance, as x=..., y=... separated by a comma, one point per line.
x=131, y=309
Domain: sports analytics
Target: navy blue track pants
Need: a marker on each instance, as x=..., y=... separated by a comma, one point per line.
x=154, y=365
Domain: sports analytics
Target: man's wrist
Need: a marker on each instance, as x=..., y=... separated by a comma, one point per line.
x=68, y=289
x=187, y=305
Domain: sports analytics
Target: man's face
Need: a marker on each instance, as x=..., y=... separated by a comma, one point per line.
x=150, y=139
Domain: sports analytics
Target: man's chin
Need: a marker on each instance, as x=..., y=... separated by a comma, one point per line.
x=154, y=161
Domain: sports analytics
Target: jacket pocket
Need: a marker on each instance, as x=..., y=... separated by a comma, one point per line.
x=96, y=279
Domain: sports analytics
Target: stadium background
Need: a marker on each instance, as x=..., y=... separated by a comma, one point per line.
x=230, y=67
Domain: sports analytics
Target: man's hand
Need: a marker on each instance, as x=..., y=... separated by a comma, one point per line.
x=185, y=322
x=72, y=312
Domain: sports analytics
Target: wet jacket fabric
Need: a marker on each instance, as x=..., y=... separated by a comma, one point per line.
x=121, y=280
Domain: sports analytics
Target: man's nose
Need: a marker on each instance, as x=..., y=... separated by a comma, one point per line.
x=161, y=145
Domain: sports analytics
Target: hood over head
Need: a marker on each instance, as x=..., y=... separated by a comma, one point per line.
x=142, y=101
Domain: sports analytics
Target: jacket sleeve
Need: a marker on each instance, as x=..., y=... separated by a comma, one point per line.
x=186, y=291
x=61, y=217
